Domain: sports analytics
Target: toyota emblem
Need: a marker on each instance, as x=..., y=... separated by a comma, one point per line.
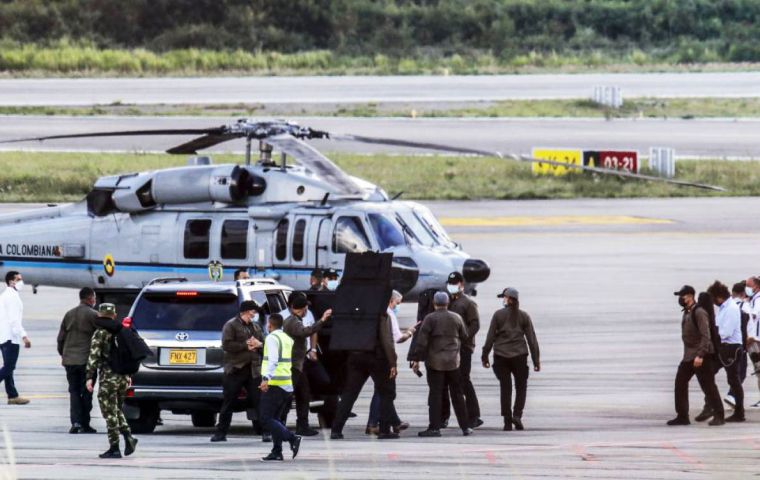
x=182, y=336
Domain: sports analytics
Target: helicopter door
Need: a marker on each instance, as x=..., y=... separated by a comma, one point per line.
x=349, y=235
x=298, y=252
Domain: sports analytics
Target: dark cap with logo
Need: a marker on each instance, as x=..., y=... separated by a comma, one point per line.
x=298, y=301
x=248, y=305
x=509, y=292
x=685, y=290
x=330, y=273
x=454, y=278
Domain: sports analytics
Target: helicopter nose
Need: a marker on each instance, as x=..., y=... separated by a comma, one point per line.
x=475, y=271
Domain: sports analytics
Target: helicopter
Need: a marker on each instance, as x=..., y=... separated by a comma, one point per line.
x=273, y=218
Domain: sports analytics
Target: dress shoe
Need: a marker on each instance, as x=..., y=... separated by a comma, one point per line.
x=18, y=401
x=717, y=420
x=467, y=432
x=429, y=433
x=400, y=427
x=736, y=418
x=130, y=444
x=306, y=432
x=351, y=415
x=388, y=436
x=371, y=430
x=295, y=444
x=219, y=437
x=273, y=457
x=508, y=426
x=88, y=429
x=112, y=452
x=476, y=423
x=517, y=421
x=336, y=436
x=679, y=421
x=705, y=414
x=76, y=428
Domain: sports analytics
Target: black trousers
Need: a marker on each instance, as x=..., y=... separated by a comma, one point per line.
x=706, y=378
x=733, y=354
x=80, y=400
x=302, y=394
x=273, y=402
x=232, y=384
x=360, y=367
x=321, y=386
x=438, y=380
x=468, y=389
x=504, y=369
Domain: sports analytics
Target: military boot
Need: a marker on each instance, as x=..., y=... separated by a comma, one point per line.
x=112, y=452
x=130, y=443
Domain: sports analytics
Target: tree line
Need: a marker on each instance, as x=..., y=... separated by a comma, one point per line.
x=690, y=30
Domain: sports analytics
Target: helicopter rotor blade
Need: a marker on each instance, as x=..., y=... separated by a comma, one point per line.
x=200, y=143
x=126, y=133
x=520, y=158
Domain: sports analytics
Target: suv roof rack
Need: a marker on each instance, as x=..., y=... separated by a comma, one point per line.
x=256, y=281
x=167, y=280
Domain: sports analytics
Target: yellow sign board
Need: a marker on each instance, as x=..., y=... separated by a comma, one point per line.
x=573, y=157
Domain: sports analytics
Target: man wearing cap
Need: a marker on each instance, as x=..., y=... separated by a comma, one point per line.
x=242, y=341
x=463, y=305
x=300, y=333
x=512, y=337
x=439, y=341
x=697, y=360
x=113, y=386
x=74, y=338
x=330, y=279
x=315, y=280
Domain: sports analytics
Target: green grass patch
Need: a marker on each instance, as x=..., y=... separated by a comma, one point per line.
x=686, y=108
x=59, y=177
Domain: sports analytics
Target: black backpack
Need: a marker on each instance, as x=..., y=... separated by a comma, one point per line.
x=128, y=350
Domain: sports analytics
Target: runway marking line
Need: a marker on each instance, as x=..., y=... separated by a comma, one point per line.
x=551, y=221
x=683, y=455
x=491, y=457
x=580, y=450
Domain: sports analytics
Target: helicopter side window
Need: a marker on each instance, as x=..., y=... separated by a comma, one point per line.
x=387, y=233
x=349, y=236
x=281, y=240
x=197, y=238
x=298, y=235
x=235, y=239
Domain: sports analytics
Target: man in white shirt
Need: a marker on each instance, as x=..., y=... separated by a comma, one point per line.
x=729, y=323
x=752, y=307
x=12, y=333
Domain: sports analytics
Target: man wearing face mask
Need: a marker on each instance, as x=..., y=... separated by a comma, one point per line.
x=74, y=339
x=12, y=333
x=466, y=308
x=242, y=341
x=511, y=336
x=752, y=307
x=697, y=360
x=330, y=279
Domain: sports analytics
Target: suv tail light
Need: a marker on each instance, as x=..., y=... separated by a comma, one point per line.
x=182, y=293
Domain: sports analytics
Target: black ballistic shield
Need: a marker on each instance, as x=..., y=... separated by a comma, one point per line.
x=361, y=298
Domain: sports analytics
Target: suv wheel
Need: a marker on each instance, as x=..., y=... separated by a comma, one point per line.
x=203, y=418
x=147, y=420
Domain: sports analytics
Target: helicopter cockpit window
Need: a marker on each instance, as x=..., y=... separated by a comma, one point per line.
x=431, y=223
x=419, y=230
x=298, y=234
x=281, y=239
x=235, y=239
x=387, y=231
x=349, y=236
x=197, y=238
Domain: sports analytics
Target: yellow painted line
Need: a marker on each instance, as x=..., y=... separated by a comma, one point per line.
x=43, y=396
x=550, y=221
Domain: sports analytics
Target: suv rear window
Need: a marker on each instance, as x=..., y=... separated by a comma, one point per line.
x=178, y=311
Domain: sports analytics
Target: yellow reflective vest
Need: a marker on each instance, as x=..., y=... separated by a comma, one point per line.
x=282, y=374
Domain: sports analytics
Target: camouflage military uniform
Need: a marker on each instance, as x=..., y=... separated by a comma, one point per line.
x=113, y=387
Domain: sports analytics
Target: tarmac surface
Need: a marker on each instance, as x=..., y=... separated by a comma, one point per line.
x=332, y=89
x=714, y=138
x=597, y=277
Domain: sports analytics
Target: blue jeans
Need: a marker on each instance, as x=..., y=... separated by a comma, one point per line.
x=271, y=406
x=374, y=412
x=10, y=357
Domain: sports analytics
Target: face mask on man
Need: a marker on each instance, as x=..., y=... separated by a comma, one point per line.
x=332, y=284
x=395, y=310
x=19, y=285
x=748, y=290
x=453, y=289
